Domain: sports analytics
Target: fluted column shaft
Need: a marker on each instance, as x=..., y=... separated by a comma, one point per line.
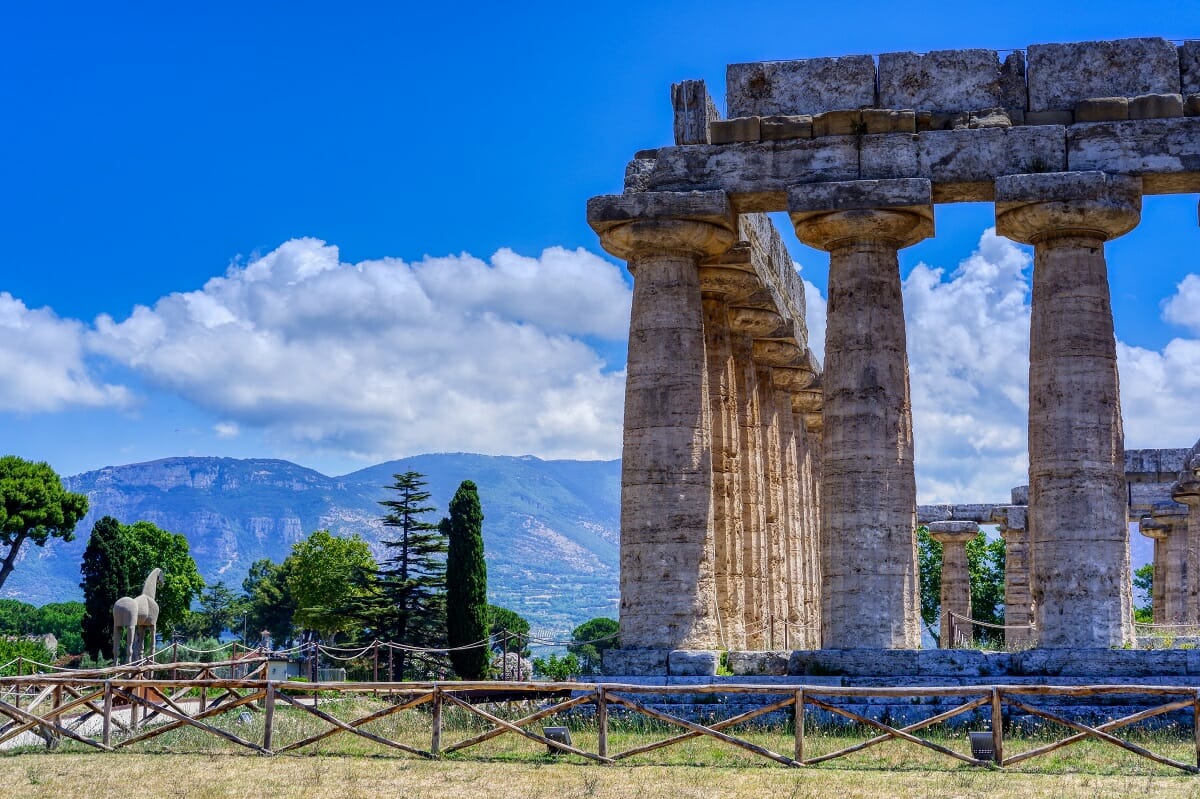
x=1018, y=601
x=1076, y=445
x=668, y=592
x=956, y=578
x=868, y=492
x=753, y=503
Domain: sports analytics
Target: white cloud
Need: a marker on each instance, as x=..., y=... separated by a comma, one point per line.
x=42, y=360
x=1183, y=307
x=226, y=429
x=968, y=342
x=815, y=317
x=383, y=358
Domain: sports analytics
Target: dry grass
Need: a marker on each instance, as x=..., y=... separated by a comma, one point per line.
x=99, y=776
x=188, y=763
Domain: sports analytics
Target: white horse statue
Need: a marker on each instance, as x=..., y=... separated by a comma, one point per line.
x=137, y=615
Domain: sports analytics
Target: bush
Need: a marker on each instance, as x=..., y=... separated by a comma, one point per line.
x=556, y=669
x=12, y=649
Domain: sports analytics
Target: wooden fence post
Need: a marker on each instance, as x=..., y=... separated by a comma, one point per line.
x=1196, y=724
x=17, y=691
x=798, y=717
x=997, y=728
x=602, y=721
x=106, y=733
x=435, y=743
x=204, y=674
x=269, y=716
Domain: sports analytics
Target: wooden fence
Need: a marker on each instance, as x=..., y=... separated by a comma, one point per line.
x=113, y=709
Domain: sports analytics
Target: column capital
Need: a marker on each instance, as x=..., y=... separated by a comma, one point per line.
x=636, y=225
x=953, y=532
x=727, y=283
x=830, y=215
x=1034, y=208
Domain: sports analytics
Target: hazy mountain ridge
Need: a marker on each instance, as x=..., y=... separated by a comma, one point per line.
x=550, y=527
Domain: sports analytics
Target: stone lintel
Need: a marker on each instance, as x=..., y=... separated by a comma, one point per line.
x=953, y=532
x=608, y=211
x=1010, y=517
x=979, y=513
x=906, y=194
x=1019, y=495
x=773, y=264
x=1154, y=465
x=1165, y=153
x=1030, y=206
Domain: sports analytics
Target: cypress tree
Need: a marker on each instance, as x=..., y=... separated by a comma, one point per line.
x=105, y=571
x=466, y=585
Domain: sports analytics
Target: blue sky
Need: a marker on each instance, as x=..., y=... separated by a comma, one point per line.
x=307, y=158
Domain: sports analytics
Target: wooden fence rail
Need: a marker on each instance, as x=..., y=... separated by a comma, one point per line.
x=113, y=709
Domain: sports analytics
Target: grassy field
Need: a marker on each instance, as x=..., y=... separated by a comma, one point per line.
x=188, y=763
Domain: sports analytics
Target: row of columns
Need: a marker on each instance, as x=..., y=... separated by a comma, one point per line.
x=682, y=585
x=721, y=449
x=1175, y=528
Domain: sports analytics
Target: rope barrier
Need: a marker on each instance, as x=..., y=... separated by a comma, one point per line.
x=989, y=625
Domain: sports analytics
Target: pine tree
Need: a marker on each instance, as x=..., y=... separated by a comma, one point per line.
x=466, y=585
x=405, y=600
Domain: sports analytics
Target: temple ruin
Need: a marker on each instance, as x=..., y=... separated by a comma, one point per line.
x=769, y=503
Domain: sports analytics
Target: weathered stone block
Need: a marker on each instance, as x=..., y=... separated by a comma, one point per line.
x=1060, y=75
x=694, y=110
x=758, y=174
x=637, y=174
x=1156, y=106
x=606, y=211
x=1165, y=151
x=729, y=131
x=1020, y=495
x=1049, y=118
x=758, y=664
x=837, y=123
x=786, y=127
x=886, y=120
x=808, y=86
x=1191, y=106
x=693, y=663
x=990, y=118
x=888, y=155
x=1013, y=94
x=854, y=662
x=1189, y=67
x=860, y=195
x=963, y=663
x=635, y=662
x=963, y=164
x=1102, y=109
x=941, y=80
x=1101, y=662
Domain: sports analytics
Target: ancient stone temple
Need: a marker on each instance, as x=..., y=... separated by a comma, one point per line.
x=768, y=503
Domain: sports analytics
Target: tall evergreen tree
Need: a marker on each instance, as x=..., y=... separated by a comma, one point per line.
x=405, y=600
x=466, y=585
x=105, y=571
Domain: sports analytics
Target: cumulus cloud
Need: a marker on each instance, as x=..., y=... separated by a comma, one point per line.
x=1183, y=307
x=968, y=344
x=42, y=361
x=385, y=357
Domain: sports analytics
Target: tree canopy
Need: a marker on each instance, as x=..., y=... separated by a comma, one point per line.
x=324, y=575
x=466, y=585
x=116, y=563
x=590, y=639
x=35, y=507
x=270, y=605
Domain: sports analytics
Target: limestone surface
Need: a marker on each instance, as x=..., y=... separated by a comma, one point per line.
x=808, y=86
x=1060, y=75
x=941, y=80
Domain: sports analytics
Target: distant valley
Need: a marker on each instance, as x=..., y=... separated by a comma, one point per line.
x=550, y=527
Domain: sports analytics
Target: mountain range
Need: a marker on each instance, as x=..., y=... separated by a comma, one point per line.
x=550, y=527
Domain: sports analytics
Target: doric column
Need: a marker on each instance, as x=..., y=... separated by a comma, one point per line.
x=1186, y=491
x=868, y=493
x=806, y=412
x=1018, y=601
x=721, y=284
x=1167, y=525
x=956, y=580
x=668, y=593
x=1076, y=444
x=753, y=505
x=775, y=577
